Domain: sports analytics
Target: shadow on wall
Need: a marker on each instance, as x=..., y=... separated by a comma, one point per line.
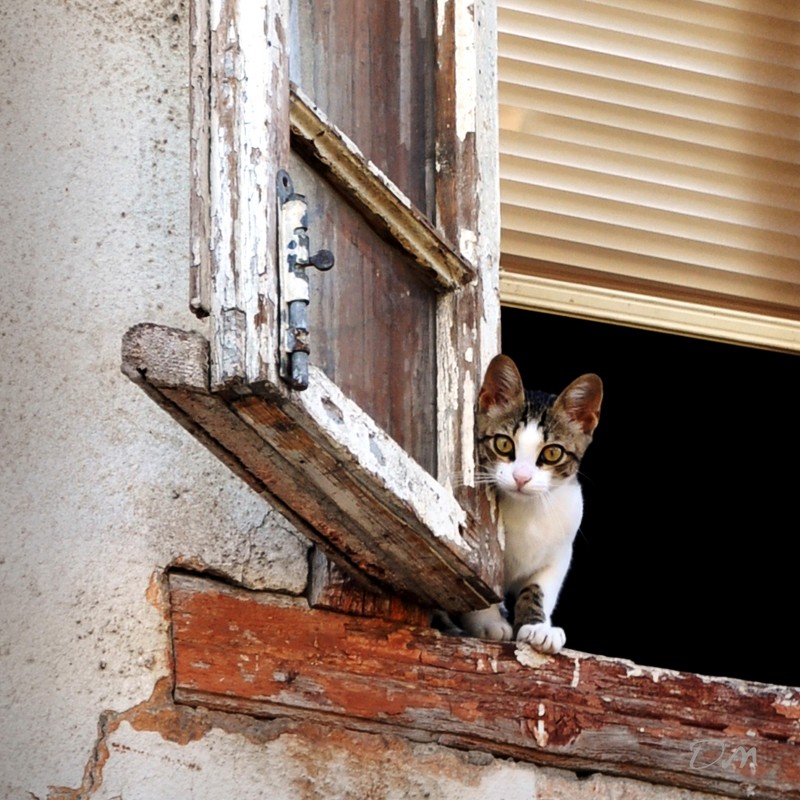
x=688, y=552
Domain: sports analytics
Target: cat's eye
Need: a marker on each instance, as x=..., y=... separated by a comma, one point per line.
x=503, y=445
x=551, y=454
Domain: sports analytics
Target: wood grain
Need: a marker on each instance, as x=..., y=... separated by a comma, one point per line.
x=320, y=459
x=269, y=655
x=334, y=590
x=240, y=139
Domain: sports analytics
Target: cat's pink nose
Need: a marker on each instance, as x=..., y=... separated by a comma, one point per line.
x=522, y=475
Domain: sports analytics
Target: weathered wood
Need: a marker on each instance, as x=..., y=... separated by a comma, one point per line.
x=468, y=213
x=160, y=357
x=375, y=511
x=351, y=485
x=388, y=368
x=199, y=119
x=268, y=655
x=334, y=590
x=370, y=67
x=363, y=164
x=374, y=193
x=240, y=141
x=455, y=89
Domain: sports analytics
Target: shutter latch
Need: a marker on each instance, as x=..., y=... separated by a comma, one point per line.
x=293, y=282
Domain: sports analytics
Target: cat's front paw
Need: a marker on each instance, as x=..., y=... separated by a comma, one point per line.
x=542, y=637
x=495, y=631
x=488, y=623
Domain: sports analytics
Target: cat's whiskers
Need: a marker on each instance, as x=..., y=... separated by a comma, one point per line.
x=547, y=502
x=481, y=477
x=584, y=478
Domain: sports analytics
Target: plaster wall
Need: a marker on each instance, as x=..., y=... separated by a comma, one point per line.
x=100, y=490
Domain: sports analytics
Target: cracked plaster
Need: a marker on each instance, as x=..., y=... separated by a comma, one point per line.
x=99, y=489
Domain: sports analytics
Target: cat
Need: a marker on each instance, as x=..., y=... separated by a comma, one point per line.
x=531, y=447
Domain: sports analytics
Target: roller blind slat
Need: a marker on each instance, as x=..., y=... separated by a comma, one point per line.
x=751, y=187
x=668, y=208
x=664, y=138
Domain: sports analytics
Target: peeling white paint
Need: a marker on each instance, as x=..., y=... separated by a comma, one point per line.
x=377, y=452
x=576, y=673
x=656, y=673
x=364, y=181
x=468, y=432
x=468, y=245
x=540, y=734
x=447, y=389
x=529, y=657
x=243, y=123
x=788, y=706
x=633, y=670
x=354, y=149
x=466, y=69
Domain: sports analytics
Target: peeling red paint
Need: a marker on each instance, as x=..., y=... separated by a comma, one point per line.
x=790, y=710
x=382, y=675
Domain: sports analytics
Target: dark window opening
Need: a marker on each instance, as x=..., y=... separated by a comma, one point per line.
x=688, y=554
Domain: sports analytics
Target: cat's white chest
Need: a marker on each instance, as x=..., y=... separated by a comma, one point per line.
x=539, y=532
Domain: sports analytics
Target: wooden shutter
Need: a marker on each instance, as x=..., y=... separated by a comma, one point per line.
x=384, y=136
x=650, y=163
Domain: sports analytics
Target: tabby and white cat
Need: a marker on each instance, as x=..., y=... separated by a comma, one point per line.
x=532, y=444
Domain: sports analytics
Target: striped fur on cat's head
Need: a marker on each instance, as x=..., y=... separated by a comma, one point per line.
x=532, y=442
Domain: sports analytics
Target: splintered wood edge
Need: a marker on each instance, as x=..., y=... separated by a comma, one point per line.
x=165, y=357
x=385, y=460
x=267, y=655
x=155, y=358
x=375, y=194
x=414, y=544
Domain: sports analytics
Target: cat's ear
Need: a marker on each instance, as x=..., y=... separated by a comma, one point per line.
x=502, y=386
x=581, y=401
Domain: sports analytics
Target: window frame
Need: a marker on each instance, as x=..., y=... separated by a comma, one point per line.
x=245, y=116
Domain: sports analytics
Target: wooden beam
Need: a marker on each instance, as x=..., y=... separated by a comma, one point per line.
x=270, y=655
x=346, y=484
x=334, y=590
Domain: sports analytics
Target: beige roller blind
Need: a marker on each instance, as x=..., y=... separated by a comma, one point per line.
x=650, y=162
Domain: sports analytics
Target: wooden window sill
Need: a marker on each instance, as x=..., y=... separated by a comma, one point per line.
x=271, y=656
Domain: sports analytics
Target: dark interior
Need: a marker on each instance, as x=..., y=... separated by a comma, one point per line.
x=688, y=555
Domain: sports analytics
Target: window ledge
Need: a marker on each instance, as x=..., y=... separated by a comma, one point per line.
x=269, y=655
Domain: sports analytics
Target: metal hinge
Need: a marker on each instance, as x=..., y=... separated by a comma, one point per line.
x=293, y=282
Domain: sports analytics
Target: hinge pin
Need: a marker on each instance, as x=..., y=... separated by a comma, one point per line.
x=293, y=282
